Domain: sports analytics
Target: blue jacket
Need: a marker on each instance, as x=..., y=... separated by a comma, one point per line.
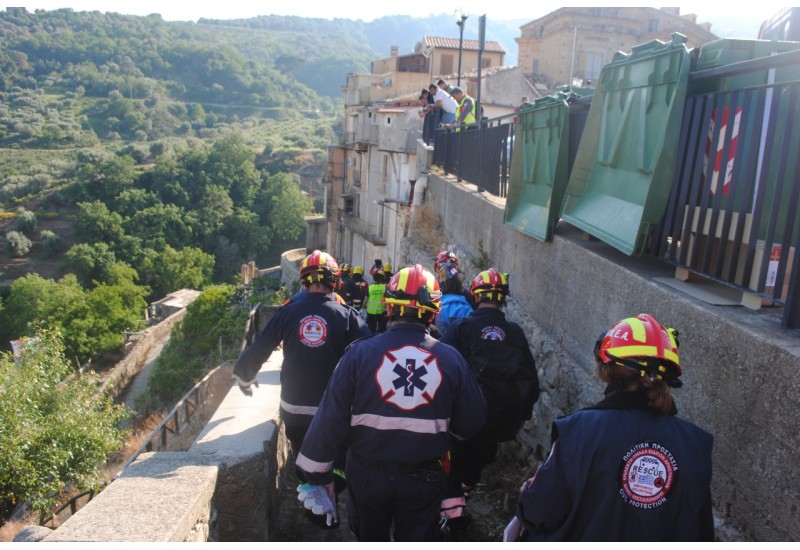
x=454, y=306
x=618, y=472
x=315, y=331
x=394, y=397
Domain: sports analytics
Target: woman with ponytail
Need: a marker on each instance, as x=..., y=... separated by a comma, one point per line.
x=627, y=468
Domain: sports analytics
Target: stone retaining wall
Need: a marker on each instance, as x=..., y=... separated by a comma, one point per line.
x=741, y=369
x=126, y=370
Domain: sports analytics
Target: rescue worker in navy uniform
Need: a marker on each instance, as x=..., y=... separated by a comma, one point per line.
x=487, y=322
x=395, y=399
x=626, y=469
x=315, y=332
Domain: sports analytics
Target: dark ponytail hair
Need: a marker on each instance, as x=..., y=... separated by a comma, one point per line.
x=659, y=396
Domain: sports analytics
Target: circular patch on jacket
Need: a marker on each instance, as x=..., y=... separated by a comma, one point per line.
x=493, y=333
x=648, y=472
x=408, y=377
x=313, y=331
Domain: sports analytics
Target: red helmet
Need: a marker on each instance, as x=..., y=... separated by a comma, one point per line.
x=319, y=267
x=413, y=288
x=490, y=285
x=643, y=344
x=444, y=257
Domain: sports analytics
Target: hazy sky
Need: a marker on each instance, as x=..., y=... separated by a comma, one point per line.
x=500, y=10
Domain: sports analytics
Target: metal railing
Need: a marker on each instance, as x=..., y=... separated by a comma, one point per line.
x=733, y=211
x=479, y=153
x=732, y=214
x=174, y=423
x=52, y=520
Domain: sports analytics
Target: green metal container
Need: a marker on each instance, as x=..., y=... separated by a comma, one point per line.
x=727, y=51
x=539, y=168
x=624, y=170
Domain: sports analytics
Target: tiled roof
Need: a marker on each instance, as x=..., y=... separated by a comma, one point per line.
x=452, y=43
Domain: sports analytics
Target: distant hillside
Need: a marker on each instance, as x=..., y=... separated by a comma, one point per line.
x=378, y=36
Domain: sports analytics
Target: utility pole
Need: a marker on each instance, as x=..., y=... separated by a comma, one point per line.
x=461, y=19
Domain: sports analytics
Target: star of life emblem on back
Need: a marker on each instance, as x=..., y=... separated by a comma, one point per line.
x=408, y=377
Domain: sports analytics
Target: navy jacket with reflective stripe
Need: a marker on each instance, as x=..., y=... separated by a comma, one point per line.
x=308, y=358
x=393, y=398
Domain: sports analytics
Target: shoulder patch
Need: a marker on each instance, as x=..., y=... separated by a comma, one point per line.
x=647, y=474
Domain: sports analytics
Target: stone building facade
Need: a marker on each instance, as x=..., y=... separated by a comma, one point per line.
x=571, y=45
x=437, y=57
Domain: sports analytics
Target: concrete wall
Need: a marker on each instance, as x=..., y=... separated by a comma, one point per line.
x=504, y=88
x=741, y=369
x=126, y=370
x=290, y=265
x=225, y=487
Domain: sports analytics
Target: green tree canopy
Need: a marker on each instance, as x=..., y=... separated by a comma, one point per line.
x=40, y=302
x=107, y=179
x=160, y=225
x=283, y=206
x=172, y=269
x=91, y=322
x=91, y=262
x=232, y=164
x=96, y=223
x=113, y=308
x=211, y=214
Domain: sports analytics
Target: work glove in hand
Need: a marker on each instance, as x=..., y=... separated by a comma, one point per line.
x=317, y=499
x=245, y=386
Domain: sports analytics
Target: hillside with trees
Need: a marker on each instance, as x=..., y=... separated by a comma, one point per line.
x=138, y=157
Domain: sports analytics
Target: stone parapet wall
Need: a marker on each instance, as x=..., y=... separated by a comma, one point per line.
x=224, y=488
x=162, y=497
x=290, y=265
x=126, y=370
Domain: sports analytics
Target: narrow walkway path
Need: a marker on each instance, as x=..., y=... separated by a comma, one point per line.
x=491, y=508
x=139, y=384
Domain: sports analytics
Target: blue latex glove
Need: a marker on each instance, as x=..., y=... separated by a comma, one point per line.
x=317, y=499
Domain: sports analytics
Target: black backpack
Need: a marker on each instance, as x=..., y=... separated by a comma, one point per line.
x=510, y=387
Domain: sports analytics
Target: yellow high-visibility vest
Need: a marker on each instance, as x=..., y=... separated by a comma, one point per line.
x=375, y=305
x=470, y=118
